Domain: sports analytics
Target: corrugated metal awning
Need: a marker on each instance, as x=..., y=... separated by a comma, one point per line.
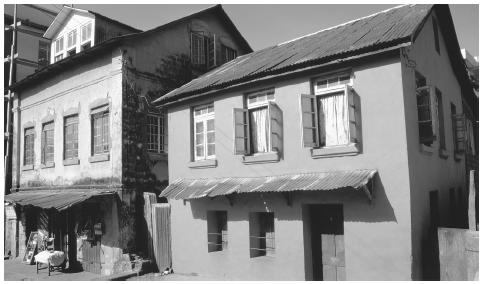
x=198, y=188
x=58, y=199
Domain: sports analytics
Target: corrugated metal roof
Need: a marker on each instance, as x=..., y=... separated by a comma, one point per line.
x=56, y=199
x=381, y=30
x=211, y=187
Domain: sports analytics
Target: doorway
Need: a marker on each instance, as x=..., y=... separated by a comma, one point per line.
x=324, y=242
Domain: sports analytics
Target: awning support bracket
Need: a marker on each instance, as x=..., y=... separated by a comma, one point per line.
x=289, y=196
x=231, y=199
x=368, y=189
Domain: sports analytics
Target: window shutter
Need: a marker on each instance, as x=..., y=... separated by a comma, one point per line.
x=435, y=113
x=275, y=115
x=460, y=132
x=424, y=109
x=309, y=121
x=211, y=51
x=241, y=131
x=42, y=147
x=353, y=116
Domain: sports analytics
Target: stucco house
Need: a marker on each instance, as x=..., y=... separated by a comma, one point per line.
x=332, y=156
x=87, y=142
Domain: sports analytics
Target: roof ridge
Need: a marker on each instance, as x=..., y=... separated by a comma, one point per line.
x=346, y=23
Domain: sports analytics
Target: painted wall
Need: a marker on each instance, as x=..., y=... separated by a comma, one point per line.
x=374, y=256
x=428, y=170
x=74, y=89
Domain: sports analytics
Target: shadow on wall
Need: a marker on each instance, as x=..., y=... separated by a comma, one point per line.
x=356, y=205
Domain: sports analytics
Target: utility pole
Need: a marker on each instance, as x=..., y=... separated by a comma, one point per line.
x=11, y=60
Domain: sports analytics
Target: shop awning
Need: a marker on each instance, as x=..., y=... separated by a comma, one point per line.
x=58, y=199
x=211, y=187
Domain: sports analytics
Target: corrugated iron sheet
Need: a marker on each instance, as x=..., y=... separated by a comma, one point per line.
x=381, y=30
x=198, y=188
x=56, y=199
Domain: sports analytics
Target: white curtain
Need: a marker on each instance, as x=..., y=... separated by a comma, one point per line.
x=259, y=125
x=333, y=120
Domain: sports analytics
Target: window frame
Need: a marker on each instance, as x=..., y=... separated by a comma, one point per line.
x=203, y=118
x=44, y=146
x=100, y=113
x=201, y=52
x=226, y=51
x=29, y=160
x=251, y=106
x=89, y=37
x=72, y=33
x=344, y=86
x=59, y=53
x=270, y=249
x=65, y=142
x=221, y=225
x=160, y=122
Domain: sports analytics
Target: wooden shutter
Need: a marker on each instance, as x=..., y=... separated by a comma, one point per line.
x=309, y=121
x=434, y=101
x=211, y=51
x=275, y=115
x=241, y=131
x=460, y=132
x=425, y=115
x=353, y=115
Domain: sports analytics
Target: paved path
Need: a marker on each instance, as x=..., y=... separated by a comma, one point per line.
x=15, y=270
x=170, y=277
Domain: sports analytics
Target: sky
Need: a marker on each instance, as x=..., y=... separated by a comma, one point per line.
x=267, y=25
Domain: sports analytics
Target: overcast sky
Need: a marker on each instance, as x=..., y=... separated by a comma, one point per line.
x=266, y=25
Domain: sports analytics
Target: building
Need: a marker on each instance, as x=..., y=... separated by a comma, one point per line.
x=32, y=53
x=87, y=142
x=328, y=157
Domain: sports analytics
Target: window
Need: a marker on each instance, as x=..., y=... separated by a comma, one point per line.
x=72, y=39
x=156, y=133
x=436, y=35
x=470, y=145
x=329, y=117
x=458, y=130
x=71, y=137
x=217, y=230
x=261, y=233
x=198, y=50
x=100, y=131
x=44, y=54
x=86, y=31
x=204, y=132
x=258, y=128
x=58, y=57
x=59, y=45
x=440, y=109
x=29, y=155
x=228, y=54
x=47, y=143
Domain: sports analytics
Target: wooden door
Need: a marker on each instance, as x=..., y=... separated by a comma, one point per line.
x=327, y=242
x=91, y=255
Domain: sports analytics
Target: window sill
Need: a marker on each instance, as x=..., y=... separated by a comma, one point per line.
x=426, y=149
x=27, y=168
x=210, y=163
x=69, y=162
x=158, y=156
x=99, y=158
x=270, y=157
x=47, y=165
x=335, y=151
x=443, y=154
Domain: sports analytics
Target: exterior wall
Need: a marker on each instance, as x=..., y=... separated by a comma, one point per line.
x=77, y=89
x=370, y=247
x=109, y=30
x=27, y=49
x=430, y=171
x=75, y=21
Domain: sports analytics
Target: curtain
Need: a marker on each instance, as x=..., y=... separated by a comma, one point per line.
x=333, y=120
x=259, y=125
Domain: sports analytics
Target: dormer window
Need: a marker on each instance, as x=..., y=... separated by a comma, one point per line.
x=59, y=49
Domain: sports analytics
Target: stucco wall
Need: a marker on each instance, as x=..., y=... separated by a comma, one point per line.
x=369, y=253
x=429, y=171
x=76, y=88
